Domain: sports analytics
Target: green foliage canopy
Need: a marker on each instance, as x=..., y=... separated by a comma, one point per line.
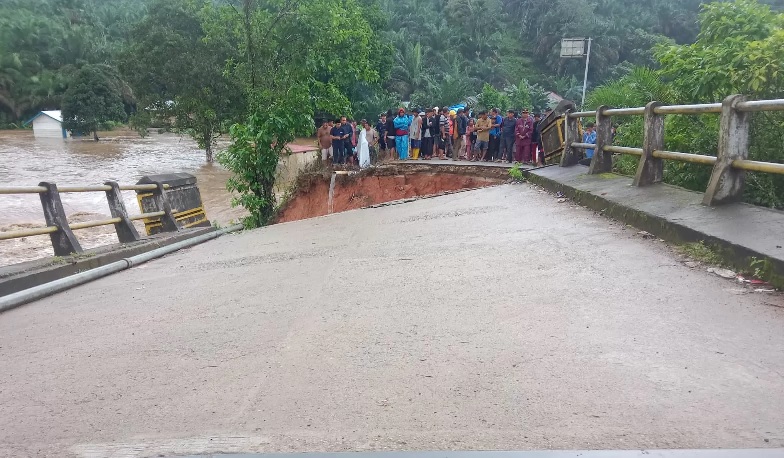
x=739, y=50
x=178, y=74
x=298, y=59
x=92, y=98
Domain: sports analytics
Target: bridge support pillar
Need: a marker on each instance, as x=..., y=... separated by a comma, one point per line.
x=126, y=233
x=570, y=155
x=168, y=222
x=64, y=241
x=726, y=183
x=650, y=170
x=602, y=161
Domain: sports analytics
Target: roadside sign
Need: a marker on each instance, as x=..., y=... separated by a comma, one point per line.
x=578, y=48
x=573, y=47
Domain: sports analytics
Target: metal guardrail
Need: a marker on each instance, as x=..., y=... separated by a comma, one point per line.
x=729, y=165
x=61, y=232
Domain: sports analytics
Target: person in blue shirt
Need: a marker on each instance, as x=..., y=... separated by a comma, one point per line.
x=589, y=136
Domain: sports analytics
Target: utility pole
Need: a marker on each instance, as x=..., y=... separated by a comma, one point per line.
x=578, y=48
x=585, y=79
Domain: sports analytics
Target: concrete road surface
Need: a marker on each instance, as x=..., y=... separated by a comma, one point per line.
x=492, y=319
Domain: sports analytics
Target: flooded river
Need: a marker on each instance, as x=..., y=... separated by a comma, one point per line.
x=120, y=156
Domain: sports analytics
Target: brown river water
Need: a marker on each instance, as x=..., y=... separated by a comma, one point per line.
x=120, y=156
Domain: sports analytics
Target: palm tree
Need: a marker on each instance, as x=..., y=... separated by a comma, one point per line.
x=636, y=89
x=408, y=71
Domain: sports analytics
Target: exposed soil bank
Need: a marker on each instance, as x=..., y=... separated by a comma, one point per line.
x=373, y=187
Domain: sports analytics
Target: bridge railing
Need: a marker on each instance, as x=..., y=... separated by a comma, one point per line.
x=729, y=165
x=61, y=231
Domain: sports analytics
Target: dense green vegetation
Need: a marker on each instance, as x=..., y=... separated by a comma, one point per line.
x=739, y=50
x=44, y=43
x=94, y=97
x=431, y=51
x=259, y=70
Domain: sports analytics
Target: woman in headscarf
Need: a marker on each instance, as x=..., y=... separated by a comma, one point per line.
x=402, y=126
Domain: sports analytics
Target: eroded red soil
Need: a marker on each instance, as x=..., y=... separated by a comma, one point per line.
x=358, y=192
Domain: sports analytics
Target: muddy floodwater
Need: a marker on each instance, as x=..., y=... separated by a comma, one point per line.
x=120, y=156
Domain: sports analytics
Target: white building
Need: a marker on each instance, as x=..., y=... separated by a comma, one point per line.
x=48, y=124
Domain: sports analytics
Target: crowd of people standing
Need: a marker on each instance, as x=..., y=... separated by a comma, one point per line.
x=434, y=133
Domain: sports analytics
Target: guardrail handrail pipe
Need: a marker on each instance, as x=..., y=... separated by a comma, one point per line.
x=729, y=166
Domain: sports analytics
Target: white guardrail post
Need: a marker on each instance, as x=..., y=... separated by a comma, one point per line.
x=602, y=161
x=726, y=182
x=569, y=156
x=64, y=242
x=126, y=233
x=650, y=170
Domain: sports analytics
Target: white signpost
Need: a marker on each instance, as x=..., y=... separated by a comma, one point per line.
x=578, y=48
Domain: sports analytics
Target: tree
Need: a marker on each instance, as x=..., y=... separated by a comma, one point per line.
x=492, y=98
x=368, y=101
x=179, y=74
x=255, y=151
x=92, y=99
x=323, y=47
x=408, y=73
x=44, y=43
x=739, y=49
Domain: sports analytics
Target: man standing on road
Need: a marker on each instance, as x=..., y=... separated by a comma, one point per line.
x=536, y=140
x=483, y=126
x=325, y=140
x=427, y=135
x=348, y=131
x=443, y=133
x=461, y=124
x=524, y=133
x=336, y=133
x=381, y=128
x=508, y=136
x=435, y=129
x=391, y=135
x=494, y=148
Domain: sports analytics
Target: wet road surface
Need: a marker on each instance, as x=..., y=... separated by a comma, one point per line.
x=490, y=319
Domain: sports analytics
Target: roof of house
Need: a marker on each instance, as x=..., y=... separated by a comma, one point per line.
x=57, y=115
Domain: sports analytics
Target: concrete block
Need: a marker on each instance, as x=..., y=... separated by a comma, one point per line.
x=726, y=183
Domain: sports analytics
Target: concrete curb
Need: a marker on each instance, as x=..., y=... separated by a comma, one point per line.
x=28, y=275
x=669, y=227
x=706, y=453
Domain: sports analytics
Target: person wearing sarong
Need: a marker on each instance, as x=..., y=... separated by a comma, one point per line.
x=402, y=125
